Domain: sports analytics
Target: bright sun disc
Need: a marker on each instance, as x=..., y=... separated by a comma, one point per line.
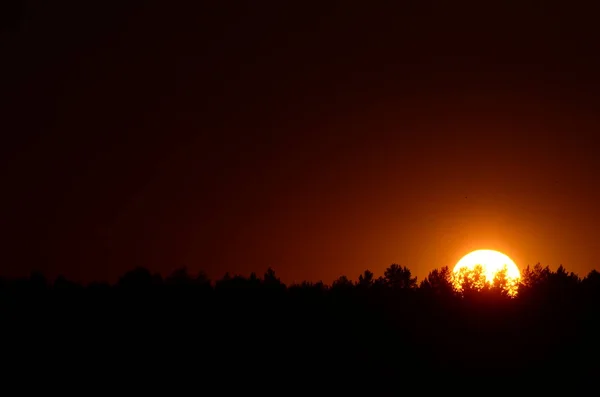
x=492, y=262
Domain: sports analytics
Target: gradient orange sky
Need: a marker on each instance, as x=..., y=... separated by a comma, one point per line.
x=318, y=141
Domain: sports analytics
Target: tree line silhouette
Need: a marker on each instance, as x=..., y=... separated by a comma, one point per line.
x=369, y=328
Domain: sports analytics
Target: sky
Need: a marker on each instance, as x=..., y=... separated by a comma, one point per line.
x=317, y=138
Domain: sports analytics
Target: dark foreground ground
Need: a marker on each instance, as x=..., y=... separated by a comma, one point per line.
x=288, y=339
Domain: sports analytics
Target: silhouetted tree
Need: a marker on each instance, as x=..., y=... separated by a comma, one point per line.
x=238, y=282
x=399, y=277
x=271, y=280
x=37, y=281
x=62, y=284
x=342, y=282
x=439, y=282
x=380, y=283
x=565, y=279
x=590, y=292
x=202, y=280
x=592, y=278
x=503, y=286
x=541, y=284
x=591, y=283
x=366, y=279
x=253, y=280
x=224, y=282
x=469, y=282
x=536, y=276
x=179, y=277
x=139, y=278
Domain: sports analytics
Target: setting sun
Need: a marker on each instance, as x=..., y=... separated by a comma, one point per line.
x=491, y=264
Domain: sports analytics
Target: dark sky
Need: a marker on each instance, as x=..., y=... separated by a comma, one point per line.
x=319, y=138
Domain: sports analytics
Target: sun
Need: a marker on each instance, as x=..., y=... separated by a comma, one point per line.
x=490, y=263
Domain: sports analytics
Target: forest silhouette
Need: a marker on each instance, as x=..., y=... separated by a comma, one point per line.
x=383, y=330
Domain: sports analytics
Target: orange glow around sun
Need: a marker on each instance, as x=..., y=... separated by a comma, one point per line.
x=485, y=268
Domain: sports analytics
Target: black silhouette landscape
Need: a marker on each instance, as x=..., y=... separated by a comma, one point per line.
x=310, y=334
x=318, y=139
